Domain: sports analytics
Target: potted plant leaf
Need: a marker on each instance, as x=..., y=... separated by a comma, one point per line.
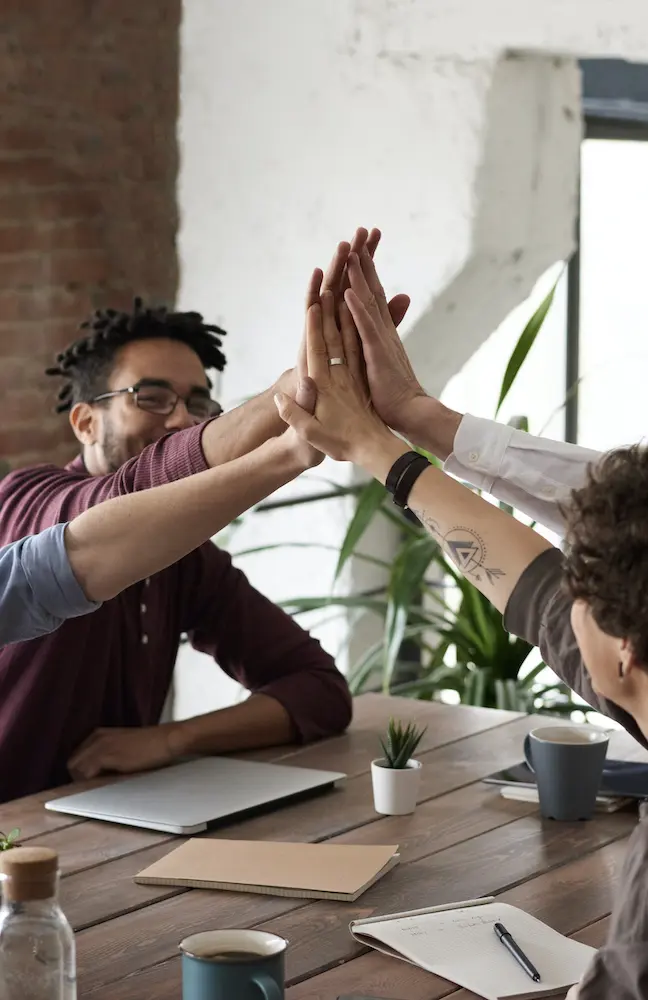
x=8, y=840
x=396, y=775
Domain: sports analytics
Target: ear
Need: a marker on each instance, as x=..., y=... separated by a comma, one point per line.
x=628, y=661
x=84, y=419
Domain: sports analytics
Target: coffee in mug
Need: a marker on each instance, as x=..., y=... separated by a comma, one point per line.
x=220, y=965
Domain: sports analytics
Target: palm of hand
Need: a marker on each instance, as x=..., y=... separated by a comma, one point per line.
x=391, y=379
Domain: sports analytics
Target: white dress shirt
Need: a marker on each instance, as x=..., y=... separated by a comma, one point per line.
x=531, y=474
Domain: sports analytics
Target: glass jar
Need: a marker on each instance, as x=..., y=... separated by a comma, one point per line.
x=37, y=953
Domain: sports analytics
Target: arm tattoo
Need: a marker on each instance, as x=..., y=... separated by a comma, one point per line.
x=467, y=550
x=431, y=525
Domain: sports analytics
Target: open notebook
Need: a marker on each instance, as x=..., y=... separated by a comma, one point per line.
x=458, y=943
x=308, y=871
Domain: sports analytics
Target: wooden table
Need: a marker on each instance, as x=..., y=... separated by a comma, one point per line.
x=463, y=841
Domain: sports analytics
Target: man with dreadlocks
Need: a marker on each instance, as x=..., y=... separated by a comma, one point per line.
x=88, y=698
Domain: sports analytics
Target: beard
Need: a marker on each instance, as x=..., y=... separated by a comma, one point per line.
x=118, y=449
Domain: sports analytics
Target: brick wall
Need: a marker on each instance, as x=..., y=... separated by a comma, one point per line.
x=88, y=161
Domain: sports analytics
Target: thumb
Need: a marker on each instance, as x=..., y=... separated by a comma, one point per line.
x=398, y=306
x=306, y=396
x=293, y=414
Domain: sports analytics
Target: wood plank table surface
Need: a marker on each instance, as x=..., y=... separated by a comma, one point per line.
x=463, y=841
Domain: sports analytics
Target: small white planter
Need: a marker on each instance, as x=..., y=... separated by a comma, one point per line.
x=395, y=790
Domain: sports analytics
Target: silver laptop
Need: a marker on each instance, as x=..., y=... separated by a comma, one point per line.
x=187, y=798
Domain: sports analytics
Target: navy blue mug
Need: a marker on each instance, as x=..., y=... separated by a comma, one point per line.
x=568, y=765
x=221, y=965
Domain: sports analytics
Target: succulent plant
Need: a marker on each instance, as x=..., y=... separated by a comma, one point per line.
x=400, y=743
x=8, y=840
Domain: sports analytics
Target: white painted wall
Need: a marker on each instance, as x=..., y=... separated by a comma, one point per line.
x=453, y=125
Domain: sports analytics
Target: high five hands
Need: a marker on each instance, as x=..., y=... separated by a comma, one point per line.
x=353, y=354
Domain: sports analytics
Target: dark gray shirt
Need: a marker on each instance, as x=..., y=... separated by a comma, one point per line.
x=38, y=590
x=539, y=611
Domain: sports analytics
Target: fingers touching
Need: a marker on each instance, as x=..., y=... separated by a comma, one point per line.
x=363, y=318
x=314, y=286
x=398, y=306
x=353, y=348
x=330, y=330
x=316, y=351
x=306, y=395
x=312, y=298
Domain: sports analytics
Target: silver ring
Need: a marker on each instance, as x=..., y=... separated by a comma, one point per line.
x=337, y=361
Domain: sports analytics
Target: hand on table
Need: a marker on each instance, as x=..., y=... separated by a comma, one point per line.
x=121, y=750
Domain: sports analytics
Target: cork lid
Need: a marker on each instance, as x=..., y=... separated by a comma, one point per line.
x=28, y=873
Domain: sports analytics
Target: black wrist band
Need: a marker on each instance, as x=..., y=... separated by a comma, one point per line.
x=407, y=480
x=403, y=474
x=398, y=468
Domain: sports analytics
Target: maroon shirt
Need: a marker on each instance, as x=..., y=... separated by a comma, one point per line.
x=113, y=667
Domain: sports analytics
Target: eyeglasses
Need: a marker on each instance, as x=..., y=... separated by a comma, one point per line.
x=158, y=397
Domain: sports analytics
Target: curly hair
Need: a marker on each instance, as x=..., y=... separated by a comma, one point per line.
x=86, y=363
x=606, y=562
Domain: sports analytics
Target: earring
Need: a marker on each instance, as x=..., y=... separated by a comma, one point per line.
x=621, y=674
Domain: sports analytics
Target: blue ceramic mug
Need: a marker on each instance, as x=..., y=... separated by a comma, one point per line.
x=568, y=764
x=220, y=965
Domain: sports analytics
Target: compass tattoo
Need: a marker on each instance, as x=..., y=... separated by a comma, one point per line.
x=468, y=551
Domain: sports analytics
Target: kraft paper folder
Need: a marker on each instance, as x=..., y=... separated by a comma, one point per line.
x=458, y=943
x=307, y=871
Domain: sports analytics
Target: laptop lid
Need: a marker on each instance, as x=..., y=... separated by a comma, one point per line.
x=186, y=798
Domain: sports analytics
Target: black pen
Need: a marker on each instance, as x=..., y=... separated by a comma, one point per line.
x=515, y=950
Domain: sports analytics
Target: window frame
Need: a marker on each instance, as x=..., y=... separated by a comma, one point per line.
x=615, y=107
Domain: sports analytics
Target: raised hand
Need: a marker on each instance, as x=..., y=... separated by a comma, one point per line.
x=392, y=383
x=336, y=280
x=344, y=423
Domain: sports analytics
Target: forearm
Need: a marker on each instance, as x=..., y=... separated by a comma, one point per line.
x=430, y=425
x=260, y=721
x=241, y=430
x=488, y=546
x=126, y=539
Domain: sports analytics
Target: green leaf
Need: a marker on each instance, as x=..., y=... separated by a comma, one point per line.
x=403, y=592
x=530, y=677
x=525, y=343
x=401, y=743
x=370, y=659
x=369, y=502
x=406, y=527
x=307, y=545
x=476, y=688
x=571, y=392
x=477, y=612
x=300, y=605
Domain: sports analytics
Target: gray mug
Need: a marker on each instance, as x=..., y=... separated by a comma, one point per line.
x=568, y=764
x=223, y=965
